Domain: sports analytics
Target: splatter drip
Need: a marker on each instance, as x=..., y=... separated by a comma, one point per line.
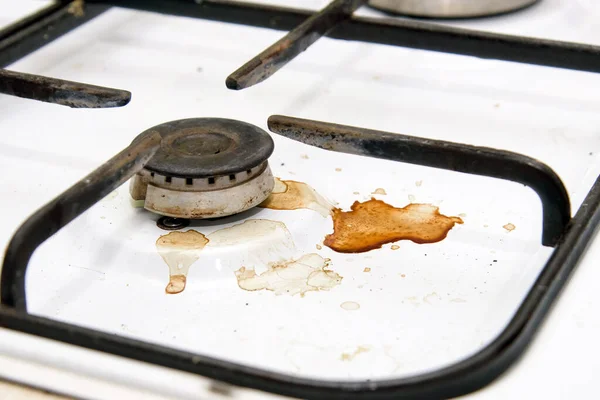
x=180, y=250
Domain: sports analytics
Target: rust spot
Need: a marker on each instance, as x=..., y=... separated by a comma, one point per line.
x=373, y=223
x=292, y=195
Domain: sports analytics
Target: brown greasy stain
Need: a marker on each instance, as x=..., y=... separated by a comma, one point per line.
x=292, y=195
x=180, y=250
x=371, y=224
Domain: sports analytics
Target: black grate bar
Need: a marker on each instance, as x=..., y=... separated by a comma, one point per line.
x=288, y=47
x=37, y=30
x=388, y=31
x=58, y=91
x=66, y=207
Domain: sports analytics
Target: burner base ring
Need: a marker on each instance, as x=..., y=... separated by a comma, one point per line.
x=203, y=204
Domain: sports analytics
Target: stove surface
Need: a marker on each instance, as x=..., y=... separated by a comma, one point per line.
x=398, y=311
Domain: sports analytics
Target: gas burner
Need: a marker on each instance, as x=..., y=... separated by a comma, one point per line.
x=450, y=8
x=205, y=168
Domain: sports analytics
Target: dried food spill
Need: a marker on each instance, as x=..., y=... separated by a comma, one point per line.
x=369, y=224
x=258, y=243
x=306, y=274
x=292, y=195
x=373, y=223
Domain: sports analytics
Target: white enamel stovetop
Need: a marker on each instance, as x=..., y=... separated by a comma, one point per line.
x=421, y=306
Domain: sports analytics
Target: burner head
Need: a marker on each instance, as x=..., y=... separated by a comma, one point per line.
x=206, y=168
x=450, y=8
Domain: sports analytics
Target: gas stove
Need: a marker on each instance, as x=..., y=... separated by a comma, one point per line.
x=425, y=194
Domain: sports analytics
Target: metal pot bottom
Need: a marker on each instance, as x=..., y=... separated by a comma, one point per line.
x=450, y=8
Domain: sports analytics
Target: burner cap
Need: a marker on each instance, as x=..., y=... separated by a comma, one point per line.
x=205, y=168
x=206, y=147
x=449, y=8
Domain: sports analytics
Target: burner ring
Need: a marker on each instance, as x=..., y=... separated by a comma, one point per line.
x=205, y=168
x=208, y=147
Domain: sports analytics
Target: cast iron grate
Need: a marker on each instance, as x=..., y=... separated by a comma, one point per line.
x=569, y=236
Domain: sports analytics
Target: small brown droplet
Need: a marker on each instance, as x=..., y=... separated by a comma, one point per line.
x=304, y=156
x=379, y=191
x=350, y=305
x=497, y=105
x=403, y=275
x=458, y=300
x=431, y=298
x=338, y=170
x=350, y=356
x=509, y=227
x=356, y=193
x=319, y=247
x=395, y=247
x=367, y=269
x=418, y=183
